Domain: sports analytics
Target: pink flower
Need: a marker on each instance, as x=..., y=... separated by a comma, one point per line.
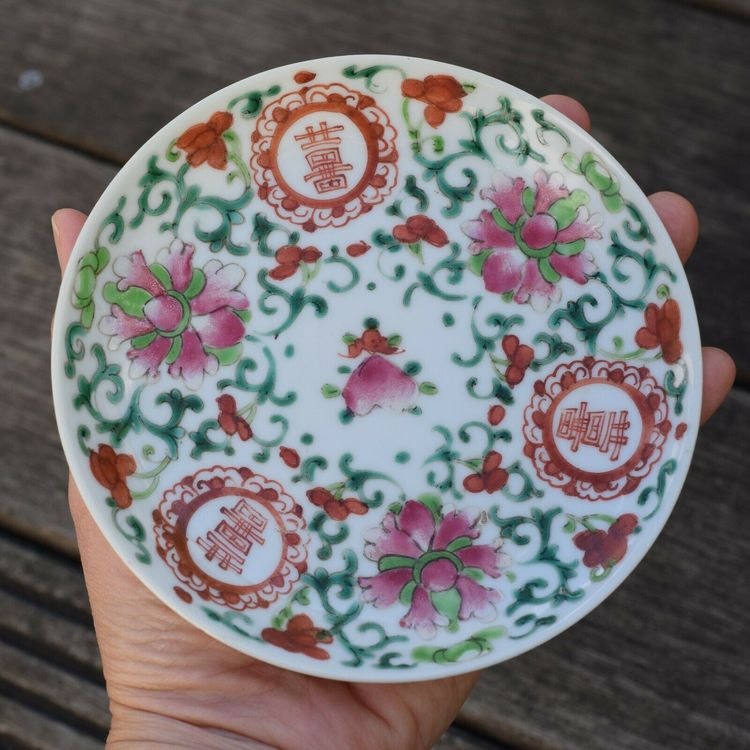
x=378, y=382
x=169, y=312
x=532, y=238
x=430, y=561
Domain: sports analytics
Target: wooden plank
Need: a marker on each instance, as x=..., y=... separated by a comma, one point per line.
x=674, y=119
x=34, y=179
x=664, y=661
x=22, y=728
x=54, y=692
x=457, y=738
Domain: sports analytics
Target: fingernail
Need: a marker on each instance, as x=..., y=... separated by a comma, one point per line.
x=55, y=230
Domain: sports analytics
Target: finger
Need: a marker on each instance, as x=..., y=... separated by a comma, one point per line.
x=571, y=108
x=719, y=371
x=680, y=220
x=66, y=225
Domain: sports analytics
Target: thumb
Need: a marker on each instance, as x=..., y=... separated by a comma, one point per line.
x=66, y=226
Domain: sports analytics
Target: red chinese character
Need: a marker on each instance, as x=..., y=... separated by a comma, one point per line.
x=230, y=541
x=598, y=429
x=327, y=170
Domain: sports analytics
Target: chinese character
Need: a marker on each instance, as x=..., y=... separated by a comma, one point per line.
x=230, y=542
x=327, y=170
x=604, y=430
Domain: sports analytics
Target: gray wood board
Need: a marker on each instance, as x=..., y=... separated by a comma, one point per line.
x=666, y=83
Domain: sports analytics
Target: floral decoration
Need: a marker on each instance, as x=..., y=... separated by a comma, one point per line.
x=662, y=329
x=490, y=478
x=532, y=237
x=441, y=93
x=204, y=142
x=112, y=470
x=231, y=422
x=299, y=636
x=429, y=561
x=606, y=548
x=289, y=258
x=190, y=319
x=418, y=228
x=334, y=504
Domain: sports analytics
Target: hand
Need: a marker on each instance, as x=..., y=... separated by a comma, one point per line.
x=170, y=685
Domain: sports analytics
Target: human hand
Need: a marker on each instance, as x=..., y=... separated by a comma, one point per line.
x=171, y=685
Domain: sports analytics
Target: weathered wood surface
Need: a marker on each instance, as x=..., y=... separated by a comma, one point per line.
x=666, y=83
x=664, y=662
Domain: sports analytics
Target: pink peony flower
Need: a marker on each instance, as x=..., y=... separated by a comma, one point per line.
x=378, y=382
x=430, y=561
x=533, y=237
x=192, y=319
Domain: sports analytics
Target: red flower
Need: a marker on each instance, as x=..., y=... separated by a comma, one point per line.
x=606, y=548
x=371, y=341
x=289, y=257
x=335, y=507
x=300, y=636
x=496, y=414
x=111, y=469
x=204, y=142
x=289, y=456
x=357, y=248
x=303, y=76
x=520, y=357
x=228, y=420
x=420, y=227
x=492, y=477
x=440, y=93
x=662, y=329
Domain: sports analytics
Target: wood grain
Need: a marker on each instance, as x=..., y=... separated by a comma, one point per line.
x=666, y=84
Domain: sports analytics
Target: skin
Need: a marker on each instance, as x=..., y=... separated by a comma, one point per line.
x=172, y=686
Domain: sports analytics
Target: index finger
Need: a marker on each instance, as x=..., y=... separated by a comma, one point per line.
x=66, y=226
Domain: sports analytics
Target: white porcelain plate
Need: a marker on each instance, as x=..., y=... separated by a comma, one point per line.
x=377, y=368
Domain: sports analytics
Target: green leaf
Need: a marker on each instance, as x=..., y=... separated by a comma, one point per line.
x=448, y=604
x=142, y=341
x=396, y=508
x=433, y=502
x=85, y=283
x=330, y=391
x=415, y=248
x=527, y=198
x=394, y=340
x=227, y=355
x=473, y=573
x=389, y=562
x=87, y=315
x=162, y=275
x=501, y=221
x=132, y=300
x=547, y=271
x=564, y=211
x=407, y=593
x=570, y=526
x=475, y=264
x=243, y=315
x=459, y=543
x=197, y=282
x=348, y=338
x=570, y=248
x=429, y=389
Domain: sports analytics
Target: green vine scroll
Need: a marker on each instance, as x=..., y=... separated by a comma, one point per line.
x=173, y=189
x=335, y=591
x=107, y=382
x=475, y=645
x=556, y=588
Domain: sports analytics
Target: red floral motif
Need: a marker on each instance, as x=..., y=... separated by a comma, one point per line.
x=496, y=414
x=442, y=94
x=229, y=421
x=371, y=341
x=303, y=76
x=336, y=507
x=491, y=478
x=357, y=248
x=520, y=356
x=420, y=227
x=606, y=548
x=289, y=456
x=289, y=258
x=204, y=143
x=301, y=636
x=111, y=470
x=680, y=430
x=662, y=329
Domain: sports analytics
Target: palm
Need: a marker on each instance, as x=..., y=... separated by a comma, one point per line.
x=168, y=680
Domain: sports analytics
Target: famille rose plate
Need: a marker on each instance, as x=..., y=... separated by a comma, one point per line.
x=377, y=368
